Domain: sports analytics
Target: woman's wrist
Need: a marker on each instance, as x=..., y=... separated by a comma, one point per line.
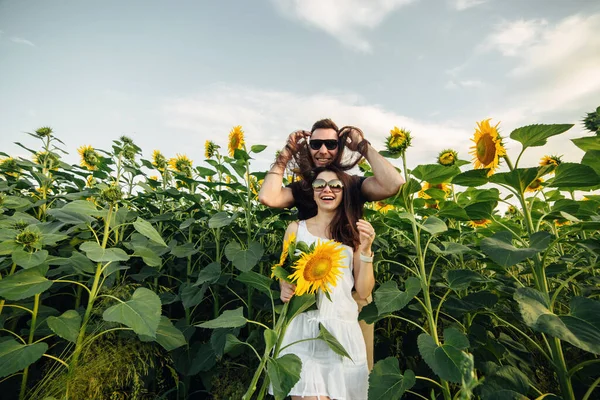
x=366, y=255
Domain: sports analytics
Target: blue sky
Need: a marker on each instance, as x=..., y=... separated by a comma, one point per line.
x=173, y=74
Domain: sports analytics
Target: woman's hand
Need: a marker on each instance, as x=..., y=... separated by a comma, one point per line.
x=287, y=291
x=367, y=235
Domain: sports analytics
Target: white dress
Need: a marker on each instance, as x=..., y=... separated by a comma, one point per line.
x=325, y=373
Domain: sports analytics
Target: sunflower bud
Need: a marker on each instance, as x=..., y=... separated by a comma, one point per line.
x=398, y=141
x=236, y=139
x=10, y=167
x=44, y=131
x=592, y=121
x=158, y=160
x=30, y=239
x=46, y=159
x=447, y=157
x=111, y=194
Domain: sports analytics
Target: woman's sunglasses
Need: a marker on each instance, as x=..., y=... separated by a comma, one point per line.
x=335, y=185
x=330, y=144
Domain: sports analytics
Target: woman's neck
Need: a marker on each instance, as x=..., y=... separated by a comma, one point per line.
x=320, y=222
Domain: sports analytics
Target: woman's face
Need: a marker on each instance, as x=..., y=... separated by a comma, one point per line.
x=328, y=191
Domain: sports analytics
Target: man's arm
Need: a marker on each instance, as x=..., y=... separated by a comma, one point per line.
x=272, y=193
x=386, y=180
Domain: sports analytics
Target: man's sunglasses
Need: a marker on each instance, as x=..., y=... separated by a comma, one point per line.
x=330, y=144
x=335, y=185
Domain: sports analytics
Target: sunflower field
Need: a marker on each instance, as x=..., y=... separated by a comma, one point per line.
x=134, y=278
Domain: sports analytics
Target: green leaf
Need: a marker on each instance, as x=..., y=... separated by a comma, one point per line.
x=581, y=327
x=435, y=173
x=587, y=143
x=270, y=337
x=69, y=217
x=27, y=260
x=482, y=210
x=518, y=178
x=434, y=226
x=141, y=313
x=504, y=382
x=148, y=255
x=592, y=159
x=256, y=281
x=574, y=176
x=145, y=228
x=220, y=220
x=83, y=207
x=474, y=178
x=389, y=299
x=96, y=253
x=229, y=319
x=460, y=279
x=191, y=295
x=167, y=335
x=299, y=304
x=537, y=135
x=25, y=283
x=257, y=148
x=211, y=274
x=82, y=263
x=500, y=249
x=244, y=260
x=386, y=382
x=447, y=361
x=449, y=209
x=450, y=248
x=231, y=342
x=284, y=373
x=332, y=342
x=185, y=250
x=66, y=326
x=15, y=356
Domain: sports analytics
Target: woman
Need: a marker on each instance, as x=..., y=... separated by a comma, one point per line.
x=326, y=375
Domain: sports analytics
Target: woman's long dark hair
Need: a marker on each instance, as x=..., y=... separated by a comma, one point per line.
x=343, y=225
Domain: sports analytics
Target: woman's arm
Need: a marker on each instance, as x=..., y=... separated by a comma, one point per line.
x=364, y=279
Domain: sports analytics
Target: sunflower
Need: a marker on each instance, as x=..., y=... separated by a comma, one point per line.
x=561, y=222
x=427, y=186
x=90, y=181
x=550, y=161
x=46, y=159
x=382, y=207
x=284, y=253
x=447, y=157
x=479, y=223
x=153, y=178
x=512, y=210
x=535, y=185
x=159, y=160
x=318, y=269
x=398, y=141
x=210, y=148
x=488, y=146
x=89, y=157
x=10, y=167
x=236, y=139
x=181, y=164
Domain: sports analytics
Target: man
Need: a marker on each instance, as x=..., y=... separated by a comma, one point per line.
x=325, y=144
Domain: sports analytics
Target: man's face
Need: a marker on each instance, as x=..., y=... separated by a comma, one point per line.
x=322, y=156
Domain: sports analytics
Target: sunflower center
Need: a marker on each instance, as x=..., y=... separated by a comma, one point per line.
x=317, y=269
x=486, y=149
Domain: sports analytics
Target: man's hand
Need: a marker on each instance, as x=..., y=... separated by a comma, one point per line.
x=287, y=291
x=294, y=142
x=355, y=136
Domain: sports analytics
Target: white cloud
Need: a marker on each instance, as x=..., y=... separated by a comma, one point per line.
x=466, y=83
x=461, y=5
x=20, y=40
x=269, y=116
x=511, y=38
x=556, y=65
x=343, y=19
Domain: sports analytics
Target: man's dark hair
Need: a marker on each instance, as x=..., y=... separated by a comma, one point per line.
x=324, y=124
x=343, y=225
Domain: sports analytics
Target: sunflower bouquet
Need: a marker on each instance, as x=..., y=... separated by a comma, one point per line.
x=314, y=267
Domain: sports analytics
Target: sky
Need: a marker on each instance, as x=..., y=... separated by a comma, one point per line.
x=171, y=75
